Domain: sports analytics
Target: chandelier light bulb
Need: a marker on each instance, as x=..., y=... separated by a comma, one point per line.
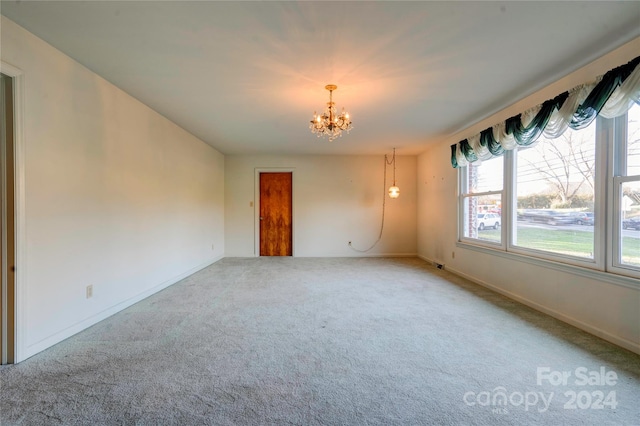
x=394, y=192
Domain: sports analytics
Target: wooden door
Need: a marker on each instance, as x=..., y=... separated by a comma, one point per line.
x=276, y=231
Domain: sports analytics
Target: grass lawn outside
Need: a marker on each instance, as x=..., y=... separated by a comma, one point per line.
x=565, y=241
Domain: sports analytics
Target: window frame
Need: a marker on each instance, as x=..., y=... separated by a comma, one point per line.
x=618, y=153
x=463, y=194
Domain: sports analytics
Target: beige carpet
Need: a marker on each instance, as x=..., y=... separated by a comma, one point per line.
x=279, y=341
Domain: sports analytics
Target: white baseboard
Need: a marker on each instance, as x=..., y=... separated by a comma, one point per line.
x=633, y=347
x=88, y=322
x=431, y=261
x=390, y=255
x=355, y=254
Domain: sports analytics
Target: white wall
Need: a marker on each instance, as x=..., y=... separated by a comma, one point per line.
x=114, y=194
x=599, y=306
x=337, y=199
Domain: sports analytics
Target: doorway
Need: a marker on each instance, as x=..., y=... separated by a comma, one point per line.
x=276, y=213
x=7, y=222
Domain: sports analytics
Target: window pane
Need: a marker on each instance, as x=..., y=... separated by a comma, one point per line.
x=633, y=141
x=482, y=217
x=485, y=176
x=482, y=212
x=555, y=193
x=630, y=244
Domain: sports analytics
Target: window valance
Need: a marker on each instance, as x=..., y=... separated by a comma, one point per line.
x=611, y=95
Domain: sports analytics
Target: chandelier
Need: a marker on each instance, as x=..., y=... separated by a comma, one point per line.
x=330, y=123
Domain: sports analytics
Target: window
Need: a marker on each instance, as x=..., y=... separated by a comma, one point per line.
x=570, y=169
x=633, y=142
x=626, y=182
x=574, y=199
x=555, y=193
x=482, y=201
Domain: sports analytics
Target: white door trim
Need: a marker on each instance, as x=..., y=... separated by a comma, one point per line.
x=256, y=206
x=20, y=226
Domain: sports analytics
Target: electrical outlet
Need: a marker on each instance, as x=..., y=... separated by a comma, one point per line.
x=213, y=247
x=89, y=291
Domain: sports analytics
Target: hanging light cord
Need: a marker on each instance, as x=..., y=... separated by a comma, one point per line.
x=384, y=202
x=394, y=166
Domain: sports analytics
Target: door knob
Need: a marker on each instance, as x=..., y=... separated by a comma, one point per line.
x=261, y=218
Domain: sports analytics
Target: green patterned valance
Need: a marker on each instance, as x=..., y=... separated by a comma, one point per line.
x=610, y=96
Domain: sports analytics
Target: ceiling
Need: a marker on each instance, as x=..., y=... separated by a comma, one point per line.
x=246, y=77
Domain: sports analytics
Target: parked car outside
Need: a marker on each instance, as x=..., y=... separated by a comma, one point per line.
x=582, y=218
x=550, y=217
x=488, y=220
x=631, y=223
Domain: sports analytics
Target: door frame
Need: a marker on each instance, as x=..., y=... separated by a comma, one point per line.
x=256, y=206
x=19, y=305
